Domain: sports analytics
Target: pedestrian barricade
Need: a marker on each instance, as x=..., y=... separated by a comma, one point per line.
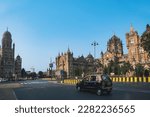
x=115, y=79
x=131, y=79
x=71, y=81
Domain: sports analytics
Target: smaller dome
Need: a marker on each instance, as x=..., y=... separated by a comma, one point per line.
x=114, y=37
x=81, y=58
x=89, y=56
x=18, y=57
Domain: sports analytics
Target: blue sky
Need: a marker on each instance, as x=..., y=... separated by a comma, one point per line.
x=43, y=28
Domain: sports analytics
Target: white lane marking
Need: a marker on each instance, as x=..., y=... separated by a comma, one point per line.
x=14, y=94
x=34, y=83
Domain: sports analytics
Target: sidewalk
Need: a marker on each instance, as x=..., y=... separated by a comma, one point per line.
x=10, y=85
x=6, y=90
x=7, y=94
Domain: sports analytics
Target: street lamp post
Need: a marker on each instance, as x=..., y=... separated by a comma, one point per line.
x=94, y=44
x=51, y=70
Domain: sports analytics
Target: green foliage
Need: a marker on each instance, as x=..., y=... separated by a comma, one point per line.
x=114, y=67
x=33, y=74
x=40, y=74
x=78, y=72
x=145, y=40
x=125, y=67
x=139, y=70
x=23, y=73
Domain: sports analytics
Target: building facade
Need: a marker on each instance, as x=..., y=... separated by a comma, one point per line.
x=18, y=66
x=114, y=51
x=136, y=54
x=69, y=66
x=9, y=66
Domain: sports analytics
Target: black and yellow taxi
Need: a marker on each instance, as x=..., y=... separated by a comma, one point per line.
x=97, y=83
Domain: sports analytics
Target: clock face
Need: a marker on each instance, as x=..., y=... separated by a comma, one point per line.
x=132, y=41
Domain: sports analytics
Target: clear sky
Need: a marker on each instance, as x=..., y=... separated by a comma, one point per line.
x=43, y=28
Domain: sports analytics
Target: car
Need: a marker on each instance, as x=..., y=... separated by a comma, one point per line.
x=3, y=80
x=97, y=83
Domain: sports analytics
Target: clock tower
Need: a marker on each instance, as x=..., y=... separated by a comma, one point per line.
x=133, y=40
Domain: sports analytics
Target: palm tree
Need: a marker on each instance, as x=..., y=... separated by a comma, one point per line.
x=145, y=40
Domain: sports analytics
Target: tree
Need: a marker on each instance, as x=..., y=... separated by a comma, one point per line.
x=139, y=69
x=125, y=67
x=78, y=72
x=114, y=67
x=32, y=75
x=40, y=74
x=145, y=40
x=23, y=73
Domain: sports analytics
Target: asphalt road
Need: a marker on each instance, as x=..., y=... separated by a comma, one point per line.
x=50, y=90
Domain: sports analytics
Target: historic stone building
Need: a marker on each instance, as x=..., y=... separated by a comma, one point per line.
x=9, y=66
x=69, y=66
x=18, y=66
x=114, y=51
x=135, y=55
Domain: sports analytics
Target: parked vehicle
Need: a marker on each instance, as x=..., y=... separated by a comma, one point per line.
x=3, y=79
x=96, y=83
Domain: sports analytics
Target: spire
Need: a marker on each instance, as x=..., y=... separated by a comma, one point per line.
x=131, y=28
x=68, y=50
x=7, y=29
x=102, y=54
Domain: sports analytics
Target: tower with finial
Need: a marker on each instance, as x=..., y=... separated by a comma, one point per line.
x=7, y=53
x=132, y=41
x=18, y=66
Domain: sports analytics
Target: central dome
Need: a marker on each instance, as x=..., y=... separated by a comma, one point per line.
x=6, y=40
x=7, y=34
